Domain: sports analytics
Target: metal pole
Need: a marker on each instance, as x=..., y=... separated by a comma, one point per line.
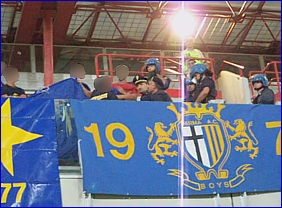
x=48, y=47
x=32, y=59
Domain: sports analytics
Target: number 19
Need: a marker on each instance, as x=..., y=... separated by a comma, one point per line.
x=127, y=142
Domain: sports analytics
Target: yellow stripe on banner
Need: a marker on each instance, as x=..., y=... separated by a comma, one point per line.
x=221, y=142
x=215, y=141
x=210, y=144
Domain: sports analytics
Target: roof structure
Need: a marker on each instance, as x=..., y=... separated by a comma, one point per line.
x=237, y=27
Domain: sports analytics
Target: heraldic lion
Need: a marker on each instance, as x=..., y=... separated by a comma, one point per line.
x=243, y=137
x=163, y=143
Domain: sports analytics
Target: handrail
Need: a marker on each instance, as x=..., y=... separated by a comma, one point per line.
x=163, y=59
x=239, y=67
x=265, y=71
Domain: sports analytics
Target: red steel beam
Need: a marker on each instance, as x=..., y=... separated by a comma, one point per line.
x=127, y=42
x=259, y=9
x=29, y=15
x=231, y=27
x=147, y=31
x=166, y=24
x=93, y=25
x=48, y=47
x=247, y=30
x=65, y=10
x=270, y=32
x=82, y=24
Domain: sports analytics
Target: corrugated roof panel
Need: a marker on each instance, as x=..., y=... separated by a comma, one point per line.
x=77, y=20
x=6, y=18
x=105, y=28
x=133, y=26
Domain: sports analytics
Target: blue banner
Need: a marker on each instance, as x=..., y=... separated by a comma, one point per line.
x=151, y=148
x=29, y=160
x=66, y=89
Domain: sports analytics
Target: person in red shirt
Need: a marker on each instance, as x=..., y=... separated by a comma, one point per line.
x=122, y=72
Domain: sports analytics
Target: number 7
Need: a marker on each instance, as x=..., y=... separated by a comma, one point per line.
x=20, y=192
x=7, y=187
x=276, y=124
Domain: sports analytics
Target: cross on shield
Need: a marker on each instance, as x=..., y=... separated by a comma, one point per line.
x=195, y=144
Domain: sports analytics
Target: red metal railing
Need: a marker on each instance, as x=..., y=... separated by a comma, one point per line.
x=239, y=67
x=277, y=78
x=167, y=62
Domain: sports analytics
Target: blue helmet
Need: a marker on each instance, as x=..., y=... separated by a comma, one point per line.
x=153, y=61
x=260, y=78
x=197, y=68
x=189, y=81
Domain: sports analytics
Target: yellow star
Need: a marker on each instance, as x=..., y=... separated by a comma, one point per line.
x=11, y=135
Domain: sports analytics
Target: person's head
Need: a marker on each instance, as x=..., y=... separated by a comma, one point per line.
x=77, y=70
x=198, y=71
x=11, y=74
x=122, y=71
x=190, y=43
x=259, y=81
x=190, y=85
x=191, y=63
x=3, y=67
x=153, y=65
x=103, y=84
x=141, y=83
x=155, y=84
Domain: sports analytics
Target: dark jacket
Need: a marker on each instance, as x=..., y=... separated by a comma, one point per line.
x=266, y=96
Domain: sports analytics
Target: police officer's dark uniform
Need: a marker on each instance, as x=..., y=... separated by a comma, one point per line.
x=266, y=95
x=141, y=79
x=156, y=62
x=189, y=95
x=100, y=92
x=160, y=95
x=206, y=82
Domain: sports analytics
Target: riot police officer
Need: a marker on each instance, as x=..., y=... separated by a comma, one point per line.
x=265, y=95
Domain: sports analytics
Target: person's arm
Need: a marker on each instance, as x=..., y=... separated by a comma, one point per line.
x=203, y=94
x=121, y=90
x=127, y=96
x=23, y=96
x=4, y=96
x=86, y=91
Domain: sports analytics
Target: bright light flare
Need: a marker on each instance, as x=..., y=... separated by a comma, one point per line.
x=183, y=23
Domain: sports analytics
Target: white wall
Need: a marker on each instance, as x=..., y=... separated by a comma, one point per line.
x=72, y=195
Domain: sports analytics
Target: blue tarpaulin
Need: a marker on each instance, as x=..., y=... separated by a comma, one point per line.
x=29, y=159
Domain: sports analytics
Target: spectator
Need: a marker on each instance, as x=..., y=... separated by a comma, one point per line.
x=142, y=87
x=128, y=90
x=12, y=75
x=156, y=89
x=191, y=52
x=265, y=95
x=205, y=90
x=190, y=87
x=153, y=67
x=78, y=71
x=103, y=89
x=3, y=67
